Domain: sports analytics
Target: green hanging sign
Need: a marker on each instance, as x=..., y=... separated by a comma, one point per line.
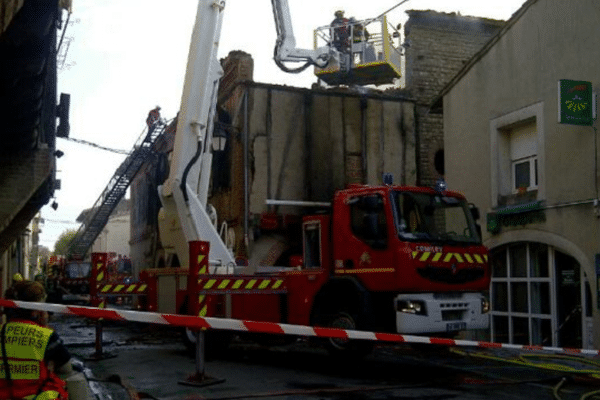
x=575, y=102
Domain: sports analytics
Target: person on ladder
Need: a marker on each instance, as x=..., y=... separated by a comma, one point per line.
x=153, y=118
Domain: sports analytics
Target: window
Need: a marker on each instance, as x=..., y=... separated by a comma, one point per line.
x=312, y=245
x=78, y=270
x=426, y=216
x=517, y=156
x=538, y=294
x=367, y=216
x=522, y=295
x=525, y=173
x=523, y=152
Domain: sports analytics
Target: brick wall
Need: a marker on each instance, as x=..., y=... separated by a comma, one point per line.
x=438, y=44
x=238, y=66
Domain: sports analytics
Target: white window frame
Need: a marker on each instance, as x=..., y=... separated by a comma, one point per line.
x=533, y=175
x=501, y=173
x=509, y=280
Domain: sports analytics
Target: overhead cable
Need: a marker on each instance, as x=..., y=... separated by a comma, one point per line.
x=81, y=141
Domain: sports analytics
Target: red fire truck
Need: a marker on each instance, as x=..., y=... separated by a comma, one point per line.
x=386, y=258
x=68, y=281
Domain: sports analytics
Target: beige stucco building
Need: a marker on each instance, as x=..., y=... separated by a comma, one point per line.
x=534, y=179
x=114, y=238
x=115, y=235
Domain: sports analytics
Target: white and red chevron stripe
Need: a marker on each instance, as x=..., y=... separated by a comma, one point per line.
x=193, y=322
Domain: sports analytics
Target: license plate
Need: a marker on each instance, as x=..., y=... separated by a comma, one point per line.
x=456, y=326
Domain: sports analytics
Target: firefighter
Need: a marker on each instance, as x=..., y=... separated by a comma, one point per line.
x=359, y=32
x=341, y=31
x=153, y=117
x=32, y=354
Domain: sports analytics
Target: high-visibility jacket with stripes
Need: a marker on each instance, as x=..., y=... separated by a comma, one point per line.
x=29, y=377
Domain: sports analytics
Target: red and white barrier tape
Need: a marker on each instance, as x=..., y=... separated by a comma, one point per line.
x=192, y=322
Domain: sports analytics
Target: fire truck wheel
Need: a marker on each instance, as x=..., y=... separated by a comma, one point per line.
x=346, y=347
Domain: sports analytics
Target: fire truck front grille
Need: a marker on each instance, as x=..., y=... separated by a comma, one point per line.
x=452, y=315
x=451, y=275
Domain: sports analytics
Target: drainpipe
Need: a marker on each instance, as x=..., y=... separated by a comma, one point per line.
x=308, y=188
x=268, y=128
x=363, y=137
x=381, y=166
x=417, y=143
x=596, y=160
x=246, y=177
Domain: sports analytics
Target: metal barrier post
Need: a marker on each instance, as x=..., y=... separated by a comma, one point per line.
x=200, y=353
x=100, y=354
x=198, y=265
x=97, y=274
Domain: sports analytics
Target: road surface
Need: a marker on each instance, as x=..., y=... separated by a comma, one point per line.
x=152, y=362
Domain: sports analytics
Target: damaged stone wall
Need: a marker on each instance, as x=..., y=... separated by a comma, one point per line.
x=305, y=144
x=438, y=45
x=302, y=145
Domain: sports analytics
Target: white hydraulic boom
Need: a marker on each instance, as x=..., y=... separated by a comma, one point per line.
x=285, y=47
x=184, y=194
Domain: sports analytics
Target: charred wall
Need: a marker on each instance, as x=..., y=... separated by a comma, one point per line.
x=438, y=44
x=302, y=145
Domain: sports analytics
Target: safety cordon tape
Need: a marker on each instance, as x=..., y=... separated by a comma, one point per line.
x=192, y=322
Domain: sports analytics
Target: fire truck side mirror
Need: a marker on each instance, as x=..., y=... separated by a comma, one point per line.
x=476, y=215
x=474, y=211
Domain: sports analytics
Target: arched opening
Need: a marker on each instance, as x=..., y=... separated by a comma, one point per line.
x=540, y=296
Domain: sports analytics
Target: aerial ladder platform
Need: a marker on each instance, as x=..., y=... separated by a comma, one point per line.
x=368, y=53
x=95, y=221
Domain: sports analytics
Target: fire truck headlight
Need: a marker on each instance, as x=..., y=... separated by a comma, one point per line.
x=411, y=307
x=485, y=305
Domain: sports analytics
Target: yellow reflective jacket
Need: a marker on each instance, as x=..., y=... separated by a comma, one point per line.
x=23, y=348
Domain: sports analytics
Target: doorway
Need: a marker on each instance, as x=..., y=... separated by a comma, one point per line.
x=540, y=296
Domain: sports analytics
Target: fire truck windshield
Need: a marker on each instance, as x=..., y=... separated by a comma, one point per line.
x=75, y=270
x=434, y=218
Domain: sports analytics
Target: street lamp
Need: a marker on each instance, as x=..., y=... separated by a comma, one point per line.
x=219, y=140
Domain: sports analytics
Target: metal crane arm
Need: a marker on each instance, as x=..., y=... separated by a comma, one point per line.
x=184, y=195
x=285, y=46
